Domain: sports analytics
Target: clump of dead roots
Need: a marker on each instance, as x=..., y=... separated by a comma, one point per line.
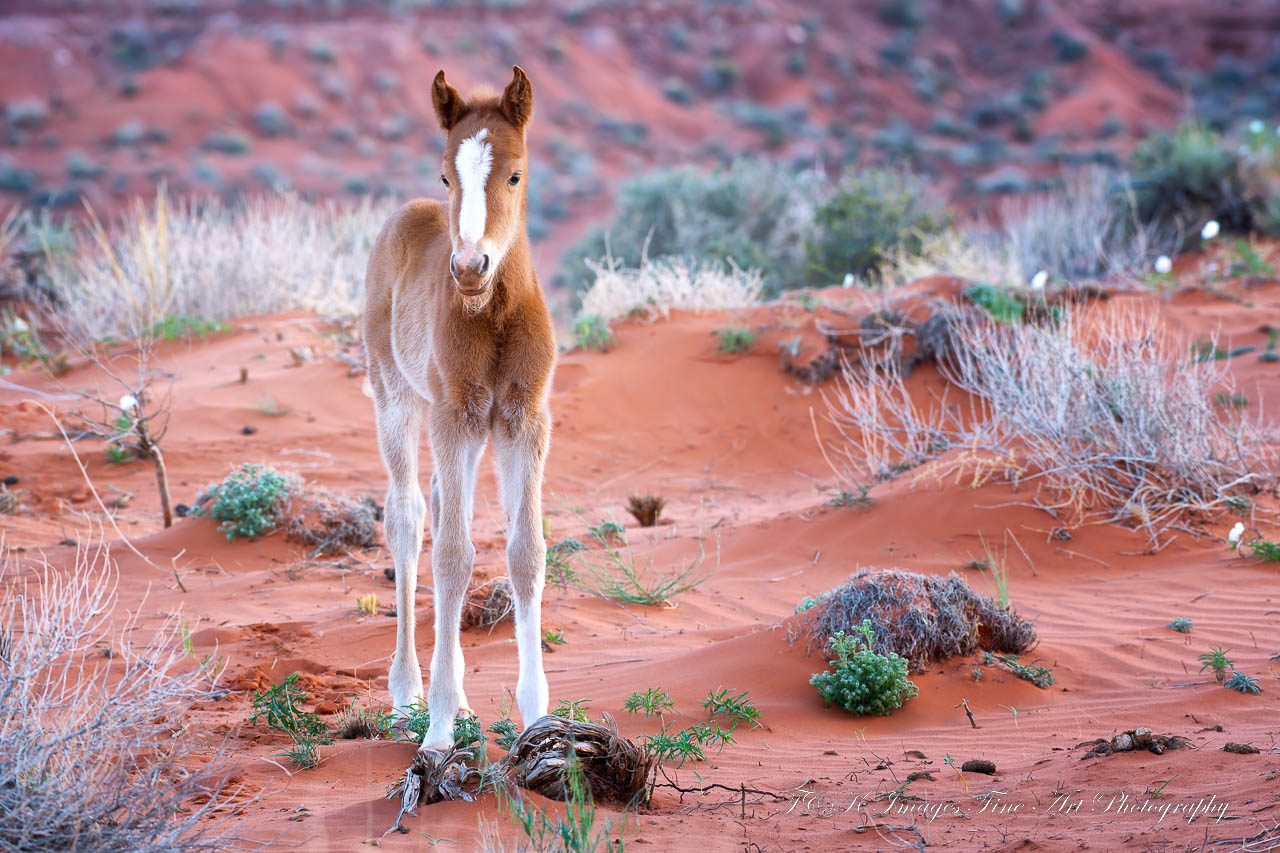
x=329, y=523
x=923, y=618
x=488, y=603
x=1134, y=740
x=613, y=768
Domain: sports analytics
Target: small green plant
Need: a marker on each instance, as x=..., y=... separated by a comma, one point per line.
x=1002, y=304
x=593, y=333
x=367, y=603
x=848, y=498
x=1234, y=401
x=1216, y=660
x=1181, y=625
x=354, y=723
x=652, y=702
x=1246, y=261
x=575, y=711
x=280, y=709
x=608, y=531
x=1040, y=676
x=734, y=339
x=117, y=455
x=269, y=407
x=737, y=707
x=246, y=501
x=1264, y=549
x=809, y=602
x=863, y=682
x=574, y=832
x=504, y=732
x=618, y=577
x=687, y=744
x=175, y=327
x=1242, y=683
x=552, y=638
x=467, y=731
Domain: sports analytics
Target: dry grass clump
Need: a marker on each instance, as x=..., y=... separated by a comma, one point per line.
x=658, y=286
x=489, y=603
x=1102, y=410
x=328, y=522
x=205, y=259
x=923, y=618
x=646, y=509
x=94, y=754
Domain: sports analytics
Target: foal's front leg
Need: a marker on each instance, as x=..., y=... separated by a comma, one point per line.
x=456, y=447
x=520, y=442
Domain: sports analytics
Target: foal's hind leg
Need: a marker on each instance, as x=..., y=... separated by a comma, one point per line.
x=399, y=416
x=456, y=446
x=520, y=447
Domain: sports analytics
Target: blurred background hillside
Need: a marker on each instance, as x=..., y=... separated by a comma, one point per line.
x=986, y=99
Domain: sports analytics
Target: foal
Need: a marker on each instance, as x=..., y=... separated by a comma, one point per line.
x=455, y=318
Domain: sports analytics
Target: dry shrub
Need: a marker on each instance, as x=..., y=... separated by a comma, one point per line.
x=211, y=261
x=94, y=753
x=614, y=768
x=657, y=287
x=328, y=522
x=923, y=618
x=1103, y=410
x=489, y=603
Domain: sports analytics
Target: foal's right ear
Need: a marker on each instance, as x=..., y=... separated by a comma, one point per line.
x=450, y=108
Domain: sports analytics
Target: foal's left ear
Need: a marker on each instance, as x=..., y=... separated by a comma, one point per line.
x=517, y=99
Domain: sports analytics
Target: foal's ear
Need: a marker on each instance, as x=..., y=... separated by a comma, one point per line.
x=450, y=108
x=517, y=98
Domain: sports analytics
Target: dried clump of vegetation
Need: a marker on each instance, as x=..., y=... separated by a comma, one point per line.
x=923, y=618
x=94, y=755
x=256, y=500
x=489, y=603
x=646, y=509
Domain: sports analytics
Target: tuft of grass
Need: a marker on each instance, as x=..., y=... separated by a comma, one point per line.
x=860, y=499
x=367, y=603
x=619, y=577
x=269, y=407
x=736, y=706
x=280, y=708
x=1181, y=625
x=576, y=830
x=653, y=702
x=1040, y=676
x=734, y=339
x=575, y=711
x=366, y=723
x=178, y=327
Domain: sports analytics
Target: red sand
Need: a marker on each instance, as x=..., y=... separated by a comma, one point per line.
x=728, y=441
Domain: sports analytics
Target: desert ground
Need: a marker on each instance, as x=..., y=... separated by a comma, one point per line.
x=732, y=448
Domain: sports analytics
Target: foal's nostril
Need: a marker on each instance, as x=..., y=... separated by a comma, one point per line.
x=453, y=267
x=484, y=265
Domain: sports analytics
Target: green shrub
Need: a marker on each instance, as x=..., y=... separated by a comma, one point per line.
x=871, y=216
x=734, y=339
x=271, y=119
x=593, y=333
x=1186, y=177
x=753, y=213
x=246, y=501
x=864, y=682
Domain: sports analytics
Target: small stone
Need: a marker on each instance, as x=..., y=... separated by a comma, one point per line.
x=979, y=765
x=920, y=774
x=1122, y=743
x=1142, y=737
x=182, y=510
x=248, y=430
x=11, y=480
x=1240, y=748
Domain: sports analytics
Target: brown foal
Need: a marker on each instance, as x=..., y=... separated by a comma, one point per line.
x=458, y=333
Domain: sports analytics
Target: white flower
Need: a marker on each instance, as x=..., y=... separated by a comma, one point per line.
x=1256, y=126
x=128, y=403
x=1236, y=532
x=1039, y=280
x=20, y=325
x=1164, y=265
x=848, y=279
x=1210, y=230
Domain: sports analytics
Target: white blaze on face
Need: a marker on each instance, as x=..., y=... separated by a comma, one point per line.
x=474, y=158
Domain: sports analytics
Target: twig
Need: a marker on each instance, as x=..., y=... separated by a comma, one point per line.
x=965, y=704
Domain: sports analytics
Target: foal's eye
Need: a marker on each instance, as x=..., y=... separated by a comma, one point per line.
x=444, y=180
x=514, y=179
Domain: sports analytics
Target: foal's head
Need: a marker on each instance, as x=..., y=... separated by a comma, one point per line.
x=484, y=166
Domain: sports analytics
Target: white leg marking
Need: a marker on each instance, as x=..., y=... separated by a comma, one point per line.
x=473, y=161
